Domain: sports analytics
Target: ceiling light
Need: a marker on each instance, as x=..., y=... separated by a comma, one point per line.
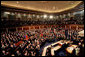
x=37, y=16
x=24, y=14
x=33, y=15
x=7, y=12
x=45, y=16
x=12, y=14
x=51, y=16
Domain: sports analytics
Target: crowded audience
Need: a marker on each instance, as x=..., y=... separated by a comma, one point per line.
x=36, y=40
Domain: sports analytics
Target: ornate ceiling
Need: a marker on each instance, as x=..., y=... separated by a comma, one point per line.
x=43, y=6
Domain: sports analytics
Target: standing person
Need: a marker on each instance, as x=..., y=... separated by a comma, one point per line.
x=66, y=33
x=76, y=34
x=70, y=34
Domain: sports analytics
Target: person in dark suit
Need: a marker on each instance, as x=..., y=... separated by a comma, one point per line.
x=74, y=53
x=66, y=33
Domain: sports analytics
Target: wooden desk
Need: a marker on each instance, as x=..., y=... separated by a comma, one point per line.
x=74, y=46
x=61, y=42
x=71, y=48
x=44, y=50
x=55, y=49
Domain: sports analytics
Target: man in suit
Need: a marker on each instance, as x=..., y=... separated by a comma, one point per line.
x=66, y=33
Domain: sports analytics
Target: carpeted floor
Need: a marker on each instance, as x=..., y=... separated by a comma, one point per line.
x=46, y=44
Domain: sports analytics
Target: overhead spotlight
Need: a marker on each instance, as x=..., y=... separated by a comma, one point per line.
x=82, y=10
x=29, y=15
x=45, y=16
x=51, y=17
x=24, y=14
x=12, y=14
x=38, y=16
x=33, y=15
x=7, y=12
